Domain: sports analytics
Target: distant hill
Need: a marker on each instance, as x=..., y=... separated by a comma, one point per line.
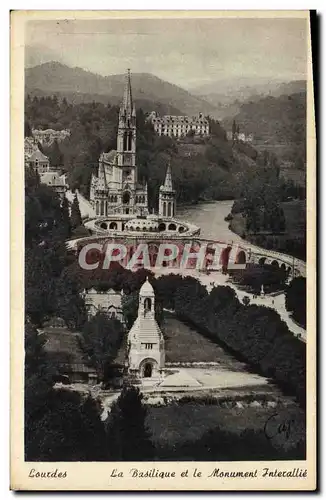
x=295, y=87
x=79, y=98
x=278, y=125
x=228, y=95
x=273, y=120
x=54, y=77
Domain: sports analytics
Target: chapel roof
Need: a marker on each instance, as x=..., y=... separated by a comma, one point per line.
x=109, y=157
x=52, y=179
x=146, y=288
x=145, y=329
x=38, y=155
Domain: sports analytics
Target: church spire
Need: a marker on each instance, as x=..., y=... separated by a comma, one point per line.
x=168, y=179
x=127, y=104
x=167, y=205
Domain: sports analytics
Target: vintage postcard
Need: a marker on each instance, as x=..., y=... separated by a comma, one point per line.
x=163, y=183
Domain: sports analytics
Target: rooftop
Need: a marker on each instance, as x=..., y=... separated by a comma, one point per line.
x=53, y=179
x=38, y=155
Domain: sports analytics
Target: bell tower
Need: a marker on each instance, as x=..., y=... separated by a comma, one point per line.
x=167, y=202
x=146, y=352
x=126, y=141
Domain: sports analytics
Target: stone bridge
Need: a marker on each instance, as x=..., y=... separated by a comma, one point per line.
x=260, y=255
x=241, y=253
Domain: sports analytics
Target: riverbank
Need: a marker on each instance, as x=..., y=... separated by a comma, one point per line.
x=291, y=243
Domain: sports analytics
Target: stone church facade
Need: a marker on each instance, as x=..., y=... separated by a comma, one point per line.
x=116, y=189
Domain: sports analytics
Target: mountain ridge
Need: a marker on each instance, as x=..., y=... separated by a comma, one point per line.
x=55, y=77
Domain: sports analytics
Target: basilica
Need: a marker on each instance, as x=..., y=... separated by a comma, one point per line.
x=119, y=201
x=116, y=188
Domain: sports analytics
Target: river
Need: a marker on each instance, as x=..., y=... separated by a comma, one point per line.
x=210, y=218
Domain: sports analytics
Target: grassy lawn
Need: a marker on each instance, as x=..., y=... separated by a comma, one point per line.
x=178, y=423
x=184, y=344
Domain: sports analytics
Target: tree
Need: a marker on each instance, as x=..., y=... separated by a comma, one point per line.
x=28, y=129
x=76, y=219
x=55, y=155
x=36, y=360
x=70, y=305
x=129, y=304
x=65, y=427
x=65, y=223
x=295, y=300
x=59, y=425
x=234, y=129
x=101, y=340
x=246, y=300
x=127, y=435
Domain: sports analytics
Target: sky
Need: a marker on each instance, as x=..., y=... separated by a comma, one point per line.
x=186, y=52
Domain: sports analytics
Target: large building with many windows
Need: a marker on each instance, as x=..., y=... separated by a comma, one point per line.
x=179, y=126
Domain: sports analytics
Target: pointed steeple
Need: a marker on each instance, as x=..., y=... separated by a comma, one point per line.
x=127, y=104
x=102, y=185
x=168, y=186
x=167, y=205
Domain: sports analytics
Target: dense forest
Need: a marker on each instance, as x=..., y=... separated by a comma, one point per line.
x=276, y=121
x=270, y=212
x=207, y=171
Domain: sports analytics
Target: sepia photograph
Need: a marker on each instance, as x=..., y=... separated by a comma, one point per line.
x=164, y=171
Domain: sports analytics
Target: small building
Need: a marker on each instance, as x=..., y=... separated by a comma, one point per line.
x=239, y=136
x=38, y=161
x=107, y=302
x=55, y=181
x=146, y=353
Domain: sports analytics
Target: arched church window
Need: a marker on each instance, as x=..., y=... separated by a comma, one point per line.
x=129, y=141
x=126, y=198
x=102, y=207
x=169, y=209
x=147, y=304
x=164, y=209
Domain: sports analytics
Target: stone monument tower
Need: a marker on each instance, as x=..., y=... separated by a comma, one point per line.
x=167, y=205
x=146, y=355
